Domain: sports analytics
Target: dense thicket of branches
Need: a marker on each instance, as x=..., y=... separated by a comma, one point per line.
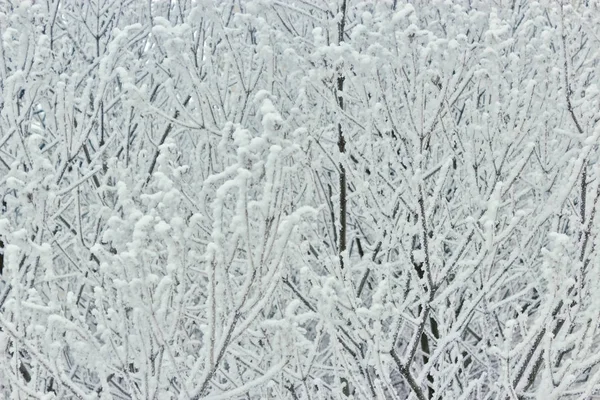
x=300, y=199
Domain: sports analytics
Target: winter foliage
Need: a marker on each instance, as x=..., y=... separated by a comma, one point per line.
x=299, y=199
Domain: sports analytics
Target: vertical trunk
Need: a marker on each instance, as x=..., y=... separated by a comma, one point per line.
x=346, y=390
x=342, y=147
